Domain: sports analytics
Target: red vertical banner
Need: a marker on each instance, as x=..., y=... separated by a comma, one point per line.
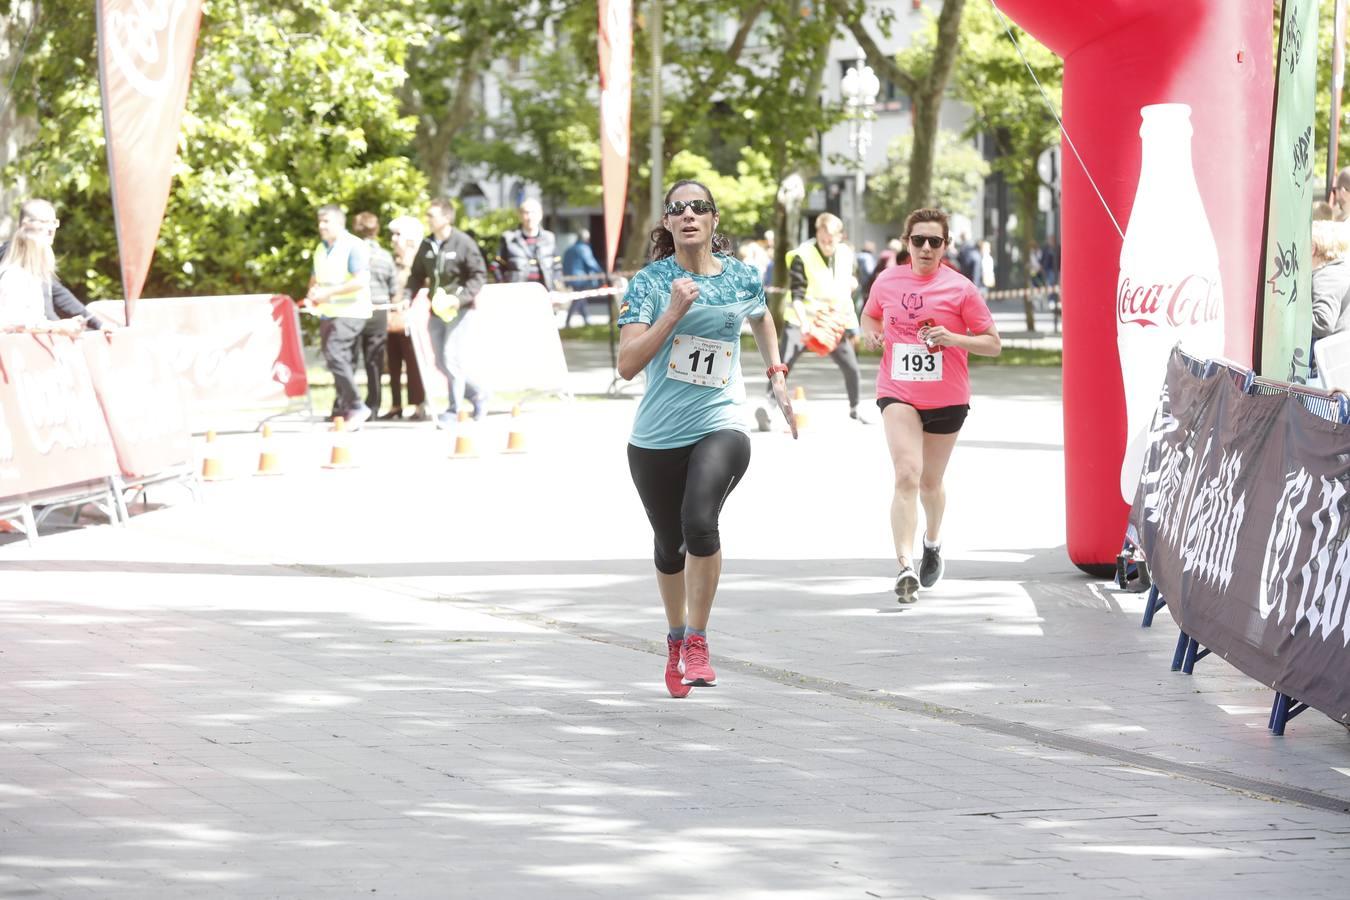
x=616, y=96
x=145, y=53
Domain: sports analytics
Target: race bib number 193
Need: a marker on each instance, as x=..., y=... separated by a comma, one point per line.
x=913, y=362
x=701, y=361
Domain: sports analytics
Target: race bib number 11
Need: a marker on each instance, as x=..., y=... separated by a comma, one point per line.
x=913, y=362
x=701, y=361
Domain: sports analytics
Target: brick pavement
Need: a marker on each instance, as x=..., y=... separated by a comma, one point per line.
x=267, y=695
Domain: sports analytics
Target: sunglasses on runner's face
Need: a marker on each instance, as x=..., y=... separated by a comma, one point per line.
x=700, y=207
x=933, y=240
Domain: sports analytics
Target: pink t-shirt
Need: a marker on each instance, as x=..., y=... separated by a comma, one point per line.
x=903, y=301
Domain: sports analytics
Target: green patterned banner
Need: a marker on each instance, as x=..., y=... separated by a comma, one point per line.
x=1284, y=319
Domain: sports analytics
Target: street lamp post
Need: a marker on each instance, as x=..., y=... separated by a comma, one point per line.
x=860, y=89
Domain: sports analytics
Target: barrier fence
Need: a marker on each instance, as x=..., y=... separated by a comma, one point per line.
x=1243, y=514
x=86, y=418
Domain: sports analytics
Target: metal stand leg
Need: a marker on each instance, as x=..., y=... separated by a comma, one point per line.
x=1282, y=710
x=1183, y=641
x=1155, y=603
x=1193, y=653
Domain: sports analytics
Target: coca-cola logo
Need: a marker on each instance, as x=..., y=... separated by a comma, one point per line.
x=1190, y=301
x=140, y=43
x=59, y=410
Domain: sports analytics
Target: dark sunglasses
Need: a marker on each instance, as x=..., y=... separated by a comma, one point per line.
x=700, y=207
x=932, y=240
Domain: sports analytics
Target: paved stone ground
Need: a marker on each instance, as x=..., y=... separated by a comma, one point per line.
x=426, y=677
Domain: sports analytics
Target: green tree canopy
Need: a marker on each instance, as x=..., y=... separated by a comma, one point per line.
x=958, y=174
x=292, y=105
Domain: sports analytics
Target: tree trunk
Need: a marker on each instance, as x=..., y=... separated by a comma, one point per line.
x=926, y=92
x=919, y=192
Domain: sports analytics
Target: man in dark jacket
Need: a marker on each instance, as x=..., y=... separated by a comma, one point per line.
x=39, y=218
x=530, y=253
x=450, y=269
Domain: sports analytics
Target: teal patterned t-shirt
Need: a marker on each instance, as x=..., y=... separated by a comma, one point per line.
x=694, y=384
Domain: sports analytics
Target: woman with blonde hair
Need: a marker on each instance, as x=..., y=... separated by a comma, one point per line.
x=26, y=273
x=1330, y=278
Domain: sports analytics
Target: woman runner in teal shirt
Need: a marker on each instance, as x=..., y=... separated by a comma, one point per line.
x=680, y=322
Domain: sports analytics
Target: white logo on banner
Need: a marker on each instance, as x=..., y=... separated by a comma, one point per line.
x=1203, y=516
x=615, y=108
x=1323, y=581
x=58, y=405
x=134, y=42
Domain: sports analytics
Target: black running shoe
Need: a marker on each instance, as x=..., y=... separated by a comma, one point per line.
x=762, y=418
x=930, y=569
x=906, y=585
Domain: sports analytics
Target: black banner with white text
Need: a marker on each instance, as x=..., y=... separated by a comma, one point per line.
x=1243, y=510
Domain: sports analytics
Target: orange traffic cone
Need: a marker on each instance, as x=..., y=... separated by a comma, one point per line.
x=341, y=455
x=799, y=415
x=267, y=458
x=212, y=468
x=464, y=437
x=515, y=439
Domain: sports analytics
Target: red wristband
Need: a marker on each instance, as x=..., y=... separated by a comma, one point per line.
x=778, y=368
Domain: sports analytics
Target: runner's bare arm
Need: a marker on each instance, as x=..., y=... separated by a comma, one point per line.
x=638, y=342
x=986, y=343
x=872, y=333
x=766, y=338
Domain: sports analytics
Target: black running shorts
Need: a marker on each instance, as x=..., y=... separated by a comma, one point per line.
x=943, y=420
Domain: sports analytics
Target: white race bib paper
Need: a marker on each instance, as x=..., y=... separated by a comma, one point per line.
x=914, y=362
x=701, y=361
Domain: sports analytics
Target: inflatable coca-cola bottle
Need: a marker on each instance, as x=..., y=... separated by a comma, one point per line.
x=1169, y=289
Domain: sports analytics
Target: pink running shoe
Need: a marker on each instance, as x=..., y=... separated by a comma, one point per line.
x=697, y=670
x=674, y=680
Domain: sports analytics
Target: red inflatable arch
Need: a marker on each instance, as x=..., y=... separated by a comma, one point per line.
x=1120, y=55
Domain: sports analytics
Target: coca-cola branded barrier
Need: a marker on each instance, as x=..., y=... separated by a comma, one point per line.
x=239, y=352
x=520, y=349
x=142, y=401
x=1121, y=56
x=515, y=344
x=53, y=432
x=1242, y=510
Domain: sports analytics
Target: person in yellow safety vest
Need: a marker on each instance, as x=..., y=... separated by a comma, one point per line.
x=339, y=291
x=822, y=277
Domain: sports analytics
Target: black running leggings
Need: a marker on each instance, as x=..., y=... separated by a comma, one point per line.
x=683, y=491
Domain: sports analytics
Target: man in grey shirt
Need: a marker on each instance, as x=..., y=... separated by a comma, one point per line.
x=375, y=334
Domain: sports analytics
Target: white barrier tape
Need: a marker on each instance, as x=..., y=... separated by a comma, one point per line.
x=1017, y=293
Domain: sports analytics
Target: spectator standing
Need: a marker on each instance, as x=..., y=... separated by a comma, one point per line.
x=752, y=253
x=339, y=290
x=968, y=258
x=986, y=267
x=867, y=263
x=26, y=272
x=405, y=236
x=450, y=269
x=579, y=262
x=375, y=334
x=38, y=217
x=529, y=253
x=1330, y=278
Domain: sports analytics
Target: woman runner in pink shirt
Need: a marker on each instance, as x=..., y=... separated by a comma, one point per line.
x=928, y=317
